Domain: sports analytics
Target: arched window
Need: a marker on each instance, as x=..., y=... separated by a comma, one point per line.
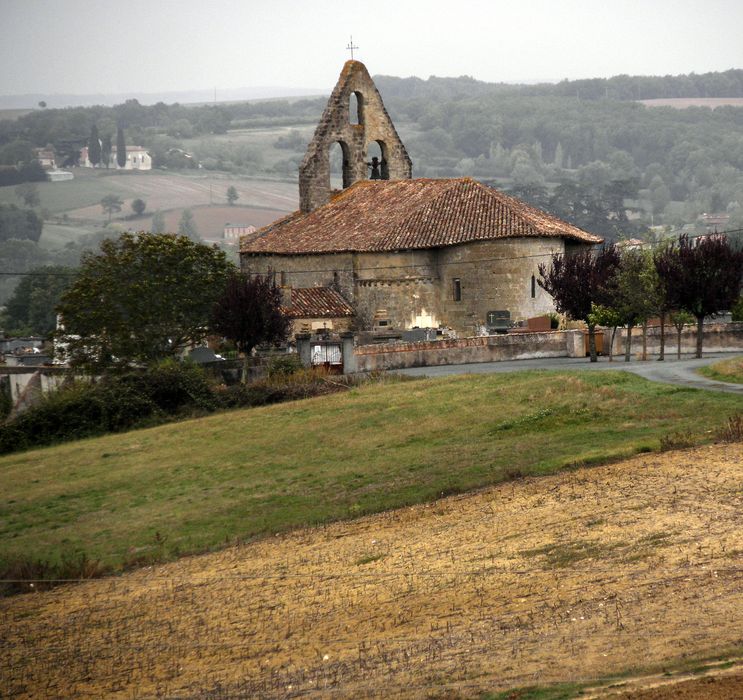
x=356, y=108
x=340, y=167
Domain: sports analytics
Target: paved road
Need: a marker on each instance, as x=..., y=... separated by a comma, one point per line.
x=671, y=371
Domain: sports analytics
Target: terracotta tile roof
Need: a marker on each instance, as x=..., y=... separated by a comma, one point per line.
x=384, y=215
x=318, y=302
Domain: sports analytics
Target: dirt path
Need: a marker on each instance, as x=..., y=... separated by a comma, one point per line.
x=564, y=578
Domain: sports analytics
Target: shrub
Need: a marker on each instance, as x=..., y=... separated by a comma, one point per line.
x=114, y=403
x=283, y=365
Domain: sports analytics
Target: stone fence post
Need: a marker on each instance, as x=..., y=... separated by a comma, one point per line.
x=304, y=348
x=349, y=359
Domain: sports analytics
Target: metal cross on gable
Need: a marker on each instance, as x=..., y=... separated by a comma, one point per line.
x=351, y=47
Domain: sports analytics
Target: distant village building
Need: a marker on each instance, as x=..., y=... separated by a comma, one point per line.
x=45, y=158
x=715, y=222
x=233, y=232
x=59, y=175
x=402, y=252
x=137, y=158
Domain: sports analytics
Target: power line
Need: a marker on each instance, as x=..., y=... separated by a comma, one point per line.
x=500, y=258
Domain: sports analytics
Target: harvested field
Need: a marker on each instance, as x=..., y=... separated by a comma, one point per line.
x=210, y=220
x=684, y=102
x=80, y=198
x=571, y=577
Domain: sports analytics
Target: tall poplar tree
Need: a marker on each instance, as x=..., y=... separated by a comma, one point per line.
x=120, y=147
x=94, y=146
x=106, y=149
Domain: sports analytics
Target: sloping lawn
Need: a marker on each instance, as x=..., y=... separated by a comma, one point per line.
x=725, y=371
x=152, y=494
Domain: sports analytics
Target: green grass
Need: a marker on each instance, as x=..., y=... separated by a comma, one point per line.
x=560, y=691
x=696, y=665
x=725, y=371
x=192, y=486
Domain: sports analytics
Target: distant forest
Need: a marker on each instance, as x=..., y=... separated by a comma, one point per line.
x=585, y=149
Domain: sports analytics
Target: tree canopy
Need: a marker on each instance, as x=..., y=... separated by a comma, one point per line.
x=31, y=308
x=144, y=297
x=700, y=276
x=578, y=281
x=111, y=204
x=248, y=312
x=120, y=147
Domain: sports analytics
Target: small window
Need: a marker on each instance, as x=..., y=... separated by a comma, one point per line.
x=383, y=323
x=283, y=278
x=457, y=288
x=533, y=287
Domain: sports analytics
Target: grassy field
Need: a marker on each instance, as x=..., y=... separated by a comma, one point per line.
x=597, y=580
x=725, y=371
x=153, y=494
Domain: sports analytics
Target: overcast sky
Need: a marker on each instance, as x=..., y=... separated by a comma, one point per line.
x=117, y=46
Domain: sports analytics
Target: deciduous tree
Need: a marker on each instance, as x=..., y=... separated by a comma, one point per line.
x=142, y=298
x=577, y=281
x=138, y=206
x=232, y=195
x=187, y=226
x=248, y=312
x=28, y=192
x=31, y=307
x=111, y=204
x=158, y=222
x=701, y=276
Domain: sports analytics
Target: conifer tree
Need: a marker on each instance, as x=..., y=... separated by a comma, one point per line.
x=120, y=147
x=94, y=147
x=106, y=149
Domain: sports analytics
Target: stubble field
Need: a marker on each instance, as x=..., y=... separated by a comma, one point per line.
x=576, y=577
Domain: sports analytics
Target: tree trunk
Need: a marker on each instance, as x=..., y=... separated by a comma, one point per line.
x=644, y=341
x=679, y=330
x=611, y=344
x=628, y=344
x=592, y=342
x=700, y=335
x=662, y=336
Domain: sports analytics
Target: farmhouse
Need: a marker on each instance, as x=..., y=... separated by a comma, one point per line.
x=405, y=252
x=137, y=158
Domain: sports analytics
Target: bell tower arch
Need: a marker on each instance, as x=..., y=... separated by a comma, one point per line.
x=354, y=116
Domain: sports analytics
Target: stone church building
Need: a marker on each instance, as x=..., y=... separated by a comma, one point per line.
x=404, y=252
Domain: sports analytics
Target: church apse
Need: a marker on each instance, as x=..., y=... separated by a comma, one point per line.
x=355, y=117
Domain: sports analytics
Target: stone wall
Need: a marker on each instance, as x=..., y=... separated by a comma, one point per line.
x=415, y=288
x=374, y=125
x=494, y=348
x=494, y=276
x=718, y=337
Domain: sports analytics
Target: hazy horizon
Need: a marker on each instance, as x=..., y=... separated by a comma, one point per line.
x=90, y=47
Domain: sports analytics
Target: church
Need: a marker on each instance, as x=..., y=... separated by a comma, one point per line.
x=402, y=252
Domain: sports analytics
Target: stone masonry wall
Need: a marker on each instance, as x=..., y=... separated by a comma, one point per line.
x=335, y=127
x=415, y=288
x=718, y=337
x=517, y=346
x=494, y=275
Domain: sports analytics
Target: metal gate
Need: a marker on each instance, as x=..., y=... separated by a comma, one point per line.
x=328, y=355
